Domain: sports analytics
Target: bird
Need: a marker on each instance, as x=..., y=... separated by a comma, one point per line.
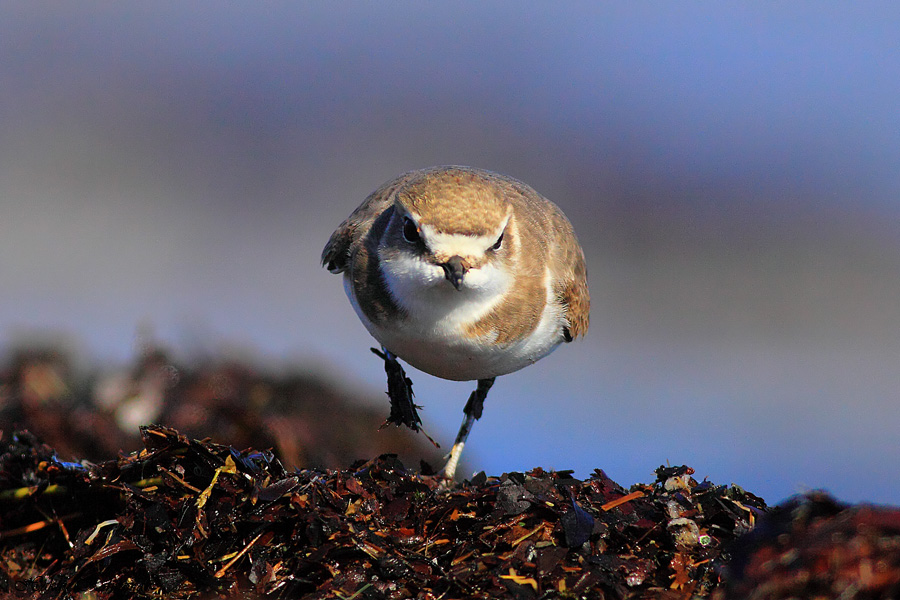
x=463, y=273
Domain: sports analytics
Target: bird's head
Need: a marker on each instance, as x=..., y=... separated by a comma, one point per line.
x=451, y=231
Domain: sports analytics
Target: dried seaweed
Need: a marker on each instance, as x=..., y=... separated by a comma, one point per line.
x=186, y=519
x=815, y=547
x=182, y=518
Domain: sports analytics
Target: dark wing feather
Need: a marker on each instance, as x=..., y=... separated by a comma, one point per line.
x=343, y=242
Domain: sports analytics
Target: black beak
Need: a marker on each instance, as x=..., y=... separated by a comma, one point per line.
x=454, y=270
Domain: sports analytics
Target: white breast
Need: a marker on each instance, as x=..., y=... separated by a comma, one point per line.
x=433, y=336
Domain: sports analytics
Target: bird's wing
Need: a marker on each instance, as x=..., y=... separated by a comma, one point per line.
x=576, y=298
x=572, y=286
x=343, y=242
x=567, y=258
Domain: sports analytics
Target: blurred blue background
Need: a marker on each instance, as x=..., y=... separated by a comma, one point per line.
x=730, y=168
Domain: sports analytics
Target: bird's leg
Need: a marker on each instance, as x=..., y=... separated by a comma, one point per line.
x=474, y=408
x=400, y=392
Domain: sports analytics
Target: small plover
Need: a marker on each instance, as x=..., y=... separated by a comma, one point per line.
x=464, y=274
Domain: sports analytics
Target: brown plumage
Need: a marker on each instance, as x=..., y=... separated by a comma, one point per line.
x=463, y=273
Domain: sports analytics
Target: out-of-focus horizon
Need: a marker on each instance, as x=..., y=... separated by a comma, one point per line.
x=731, y=171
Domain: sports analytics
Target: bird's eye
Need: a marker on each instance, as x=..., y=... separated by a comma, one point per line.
x=410, y=231
x=498, y=243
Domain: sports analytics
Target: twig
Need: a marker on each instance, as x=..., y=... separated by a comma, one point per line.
x=626, y=498
x=237, y=556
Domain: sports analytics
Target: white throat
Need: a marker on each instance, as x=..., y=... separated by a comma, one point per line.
x=432, y=305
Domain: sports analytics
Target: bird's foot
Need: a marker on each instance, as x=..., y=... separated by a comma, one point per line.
x=403, y=409
x=449, y=470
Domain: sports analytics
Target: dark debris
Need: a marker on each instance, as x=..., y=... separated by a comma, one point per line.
x=189, y=519
x=815, y=547
x=173, y=517
x=97, y=415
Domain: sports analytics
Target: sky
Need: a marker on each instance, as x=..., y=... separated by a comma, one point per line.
x=730, y=169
